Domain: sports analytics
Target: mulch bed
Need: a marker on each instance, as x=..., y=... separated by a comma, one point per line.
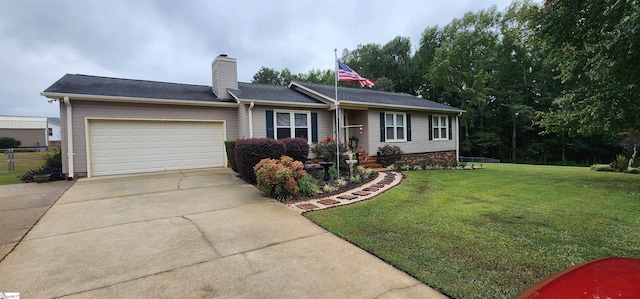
x=349, y=186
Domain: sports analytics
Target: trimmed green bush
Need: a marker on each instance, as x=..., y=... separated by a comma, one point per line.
x=279, y=178
x=251, y=151
x=390, y=154
x=296, y=148
x=230, y=148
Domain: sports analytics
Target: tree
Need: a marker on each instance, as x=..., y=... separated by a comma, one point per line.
x=267, y=76
x=270, y=76
x=595, y=46
x=9, y=142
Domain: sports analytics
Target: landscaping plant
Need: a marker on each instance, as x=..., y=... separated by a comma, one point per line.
x=326, y=151
x=389, y=154
x=296, y=148
x=250, y=152
x=230, y=148
x=278, y=178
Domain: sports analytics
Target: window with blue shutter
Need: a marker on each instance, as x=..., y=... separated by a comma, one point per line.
x=270, y=124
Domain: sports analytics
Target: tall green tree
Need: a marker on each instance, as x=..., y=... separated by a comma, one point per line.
x=595, y=46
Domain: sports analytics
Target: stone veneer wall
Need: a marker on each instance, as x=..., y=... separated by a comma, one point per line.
x=444, y=158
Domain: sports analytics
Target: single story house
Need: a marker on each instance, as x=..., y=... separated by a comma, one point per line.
x=39, y=132
x=120, y=126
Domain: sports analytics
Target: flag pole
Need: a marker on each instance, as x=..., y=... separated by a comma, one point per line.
x=335, y=52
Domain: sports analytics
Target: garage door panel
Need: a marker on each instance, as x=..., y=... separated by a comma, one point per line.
x=119, y=146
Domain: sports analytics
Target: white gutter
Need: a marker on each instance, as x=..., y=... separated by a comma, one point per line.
x=251, y=119
x=284, y=104
x=347, y=104
x=70, y=173
x=117, y=99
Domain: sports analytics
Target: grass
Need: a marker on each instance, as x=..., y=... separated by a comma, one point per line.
x=494, y=232
x=23, y=162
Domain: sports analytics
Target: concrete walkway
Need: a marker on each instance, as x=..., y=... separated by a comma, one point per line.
x=190, y=234
x=21, y=206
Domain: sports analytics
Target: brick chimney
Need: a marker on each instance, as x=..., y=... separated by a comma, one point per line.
x=224, y=75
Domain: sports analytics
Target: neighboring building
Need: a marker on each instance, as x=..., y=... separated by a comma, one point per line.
x=32, y=131
x=120, y=126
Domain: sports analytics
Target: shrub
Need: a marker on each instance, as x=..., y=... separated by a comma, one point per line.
x=405, y=167
x=53, y=160
x=230, y=148
x=333, y=172
x=296, y=148
x=621, y=163
x=365, y=173
x=251, y=151
x=279, y=178
x=308, y=186
x=356, y=178
x=328, y=188
x=55, y=172
x=341, y=182
x=9, y=142
x=389, y=154
x=326, y=151
x=601, y=167
x=417, y=167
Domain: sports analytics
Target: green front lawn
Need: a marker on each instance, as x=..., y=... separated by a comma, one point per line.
x=493, y=232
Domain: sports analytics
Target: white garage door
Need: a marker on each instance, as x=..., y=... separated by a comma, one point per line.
x=129, y=146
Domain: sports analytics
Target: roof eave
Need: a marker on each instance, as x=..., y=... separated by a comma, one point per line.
x=387, y=106
x=312, y=93
x=280, y=103
x=119, y=99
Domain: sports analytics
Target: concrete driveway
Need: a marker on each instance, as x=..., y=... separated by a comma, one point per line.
x=190, y=234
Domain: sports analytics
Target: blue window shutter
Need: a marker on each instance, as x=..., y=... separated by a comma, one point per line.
x=430, y=127
x=382, y=139
x=314, y=127
x=408, y=127
x=450, y=129
x=270, y=124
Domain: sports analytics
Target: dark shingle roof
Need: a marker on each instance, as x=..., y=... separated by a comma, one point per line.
x=373, y=97
x=275, y=93
x=117, y=87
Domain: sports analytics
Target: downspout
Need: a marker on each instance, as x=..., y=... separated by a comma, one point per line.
x=251, y=119
x=67, y=103
x=458, y=137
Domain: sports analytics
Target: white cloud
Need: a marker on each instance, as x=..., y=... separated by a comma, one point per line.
x=175, y=41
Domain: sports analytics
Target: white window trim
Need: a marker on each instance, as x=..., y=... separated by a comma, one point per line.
x=395, y=126
x=292, y=123
x=440, y=127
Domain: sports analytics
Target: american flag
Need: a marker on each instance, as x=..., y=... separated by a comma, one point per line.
x=346, y=74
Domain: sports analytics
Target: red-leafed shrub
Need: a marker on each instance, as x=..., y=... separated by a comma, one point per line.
x=250, y=151
x=279, y=178
x=296, y=148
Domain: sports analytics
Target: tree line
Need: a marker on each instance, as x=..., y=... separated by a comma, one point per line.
x=550, y=83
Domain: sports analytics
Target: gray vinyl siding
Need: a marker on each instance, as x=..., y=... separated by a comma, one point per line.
x=420, y=142
x=84, y=109
x=243, y=122
x=325, y=126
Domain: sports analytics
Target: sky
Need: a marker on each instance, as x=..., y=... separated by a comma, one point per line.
x=176, y=40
